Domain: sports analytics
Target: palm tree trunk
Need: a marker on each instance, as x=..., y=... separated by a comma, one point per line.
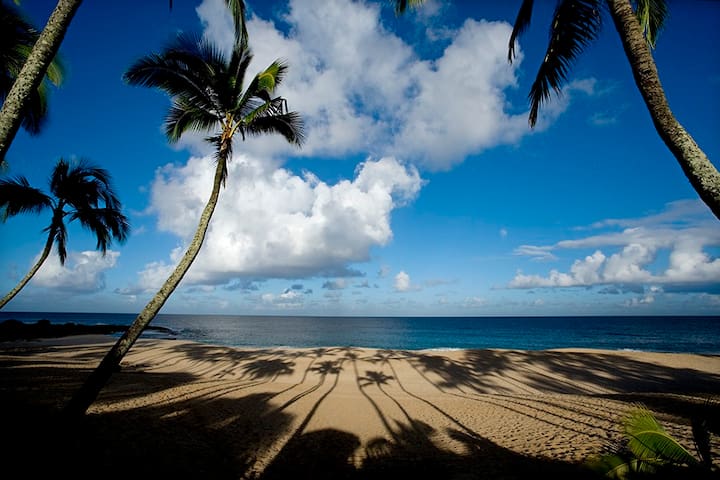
x=89, y=391
x=31, y=273
x=703, y=175
x=32, y=73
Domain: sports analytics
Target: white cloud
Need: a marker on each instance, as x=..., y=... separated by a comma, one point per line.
x=683, y=231
x=83, y=272
x=537, y=253
x=402, y=282
x=152, y=276
x=289, y=299
x=270, y=223
x=362, y=89
x=627, y=265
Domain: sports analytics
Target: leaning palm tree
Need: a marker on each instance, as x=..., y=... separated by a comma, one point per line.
x=208, y=94
x=37, y=63
x=575, y=24
x=17, y=37
x=78, y=191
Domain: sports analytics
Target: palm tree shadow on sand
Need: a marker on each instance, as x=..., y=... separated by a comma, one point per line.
x=333, y=454
x=223, y=428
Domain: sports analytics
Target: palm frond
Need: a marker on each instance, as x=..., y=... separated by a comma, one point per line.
x=289, y=125
x=575, y=24
x=17, y=38
x=34, y=113
x=106, y=224
x=618, y=466
x=239, y=62
x=184, y=116
x=16, y=30
x=237, y=10
x=187, y=68
x=401, y=6
x=652, y=15
x=83, y=185
x=17, y=196
x=272, y=76
x=522, y=21
x=261, y=87
x=648, y=441
x=58, y=231
x=55, y=73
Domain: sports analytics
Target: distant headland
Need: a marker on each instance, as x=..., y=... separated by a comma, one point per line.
x=16, y=330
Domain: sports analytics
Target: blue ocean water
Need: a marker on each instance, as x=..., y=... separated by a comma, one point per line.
x=683, y=334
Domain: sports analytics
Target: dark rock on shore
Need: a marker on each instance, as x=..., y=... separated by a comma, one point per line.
x=17, y=330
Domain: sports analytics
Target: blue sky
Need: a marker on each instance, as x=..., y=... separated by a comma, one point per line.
x=421, y=190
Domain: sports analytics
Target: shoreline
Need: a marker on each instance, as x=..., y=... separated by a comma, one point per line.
x=179, y=406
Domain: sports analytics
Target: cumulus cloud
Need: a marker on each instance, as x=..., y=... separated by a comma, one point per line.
x=271, y=223
x=83, y=272
x=683, y=233
x=361, y=89
x=403, y=283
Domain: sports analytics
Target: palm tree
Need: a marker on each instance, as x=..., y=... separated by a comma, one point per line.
x=207, y=95
x=17, y=37
x=79, y=192
x=574, y=26
x=34, y=69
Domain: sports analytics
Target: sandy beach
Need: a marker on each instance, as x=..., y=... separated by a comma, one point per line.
x=188, y=410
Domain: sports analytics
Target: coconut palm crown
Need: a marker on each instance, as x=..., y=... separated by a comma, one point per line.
x=208, y=94
x=78, y=191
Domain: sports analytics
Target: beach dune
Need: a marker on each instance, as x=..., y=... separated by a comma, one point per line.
x=186, y=409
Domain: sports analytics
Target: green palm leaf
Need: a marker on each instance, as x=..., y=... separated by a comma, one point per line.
x=237, y=11
x=651, y=14
x=521, y=23
x=17, y=38
x=648, y=441
x=620, y=467
x=575, y=24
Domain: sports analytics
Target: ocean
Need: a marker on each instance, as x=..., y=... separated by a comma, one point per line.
x=682, y=334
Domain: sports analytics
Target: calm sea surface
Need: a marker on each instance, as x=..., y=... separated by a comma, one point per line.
x=659, y=334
